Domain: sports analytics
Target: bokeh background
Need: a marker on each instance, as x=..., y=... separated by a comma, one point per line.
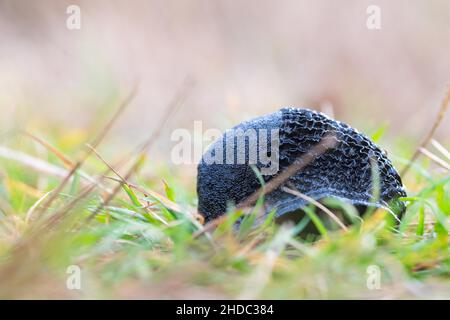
x=231, y=60
x=244, y=58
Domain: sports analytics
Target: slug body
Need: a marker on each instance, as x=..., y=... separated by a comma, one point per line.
x=343, y=171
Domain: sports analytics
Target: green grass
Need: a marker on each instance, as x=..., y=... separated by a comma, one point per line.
x=145, y=242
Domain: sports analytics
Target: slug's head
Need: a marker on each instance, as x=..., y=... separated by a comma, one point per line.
x=353, y=169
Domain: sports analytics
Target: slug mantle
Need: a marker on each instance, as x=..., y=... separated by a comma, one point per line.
x=343, y=172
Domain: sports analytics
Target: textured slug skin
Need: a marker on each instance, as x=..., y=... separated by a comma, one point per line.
x=343, y=172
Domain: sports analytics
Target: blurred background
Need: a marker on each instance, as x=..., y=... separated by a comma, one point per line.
x=230, y=61
x=244, y=59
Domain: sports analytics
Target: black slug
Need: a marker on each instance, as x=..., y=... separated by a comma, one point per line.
x=272, y=143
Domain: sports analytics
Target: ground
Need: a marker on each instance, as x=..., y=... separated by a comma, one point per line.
x=75, y=225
